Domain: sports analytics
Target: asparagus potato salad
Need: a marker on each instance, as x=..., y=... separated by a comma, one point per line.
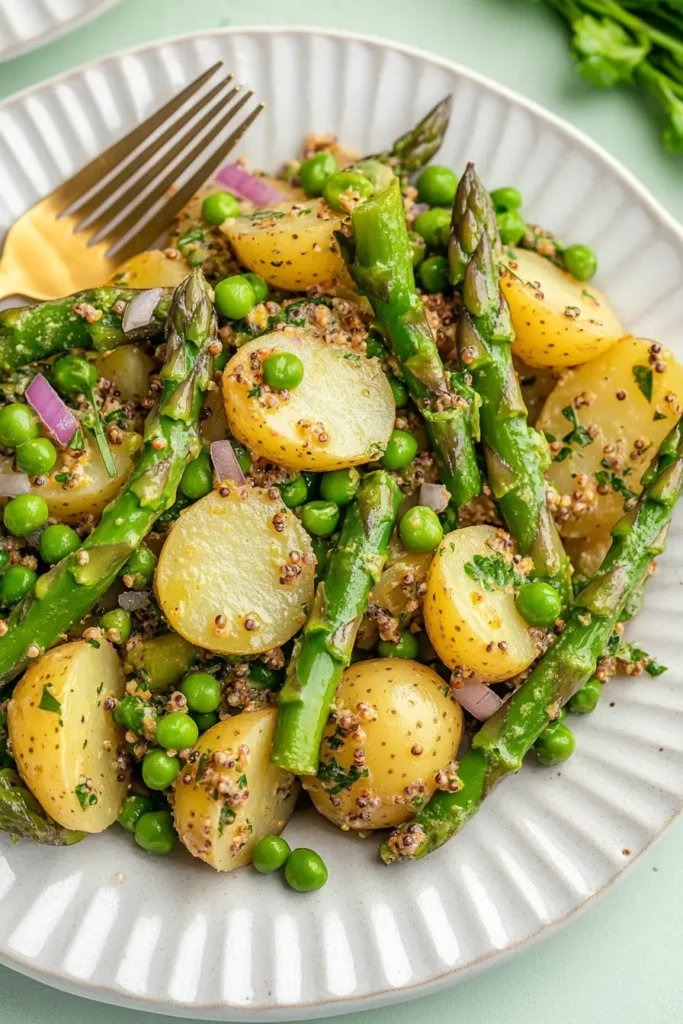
x=344, y=496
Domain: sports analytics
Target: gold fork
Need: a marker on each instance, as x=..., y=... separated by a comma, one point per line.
x=76, y=237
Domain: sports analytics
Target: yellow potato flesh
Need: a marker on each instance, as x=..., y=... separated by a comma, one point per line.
x=128, y=367
x=223, y=825
x=413, y=729
x=464, y=619
x=153, y=269
x=558, y=320
x=67, y=750
x=220, y=578
x=291, y=246
x=341, y=414
x=627, y=431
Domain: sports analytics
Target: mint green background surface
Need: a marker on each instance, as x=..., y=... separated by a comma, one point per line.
x=620, y=963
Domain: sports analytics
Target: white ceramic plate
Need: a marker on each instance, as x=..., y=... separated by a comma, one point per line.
x=26, y=24
x=103, y=919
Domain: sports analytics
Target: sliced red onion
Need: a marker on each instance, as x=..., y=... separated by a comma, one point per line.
x=477, y=698
x=248, y=186
x=434, y=496
x=140, y=310
x=131, y=600
x=55, y=415
x=225, y=464
x=410, y=501
x=419, y=208
x=12, y=484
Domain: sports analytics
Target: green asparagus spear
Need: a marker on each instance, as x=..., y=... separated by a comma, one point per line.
x=416, y=148
x=92, y=319
x=500, y=745
x=162, y=661
x=325, y=647
x=516, y=455
x=64, y=594
x=383, y=270
x=23, y=818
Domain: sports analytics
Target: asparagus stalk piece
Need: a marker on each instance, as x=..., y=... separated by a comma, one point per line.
x=92, y=319
x=383, y=270
x=67, y=591
x=500, y=745
x=516, y=455
x=324, y=649
x=23, y=818
x=412, y=151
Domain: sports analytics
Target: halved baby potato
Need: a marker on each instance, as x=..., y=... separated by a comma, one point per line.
x=412, y=730
x=625, y=403
x=558, y=320
x=230, y=796
x=341, y=414
x=152, y=269
x=292, y=245
x=471, y=626
x=236, y=573
x=69, y=751
x=128, y=367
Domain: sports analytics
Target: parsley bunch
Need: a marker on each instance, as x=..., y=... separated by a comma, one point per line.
x=635, y=42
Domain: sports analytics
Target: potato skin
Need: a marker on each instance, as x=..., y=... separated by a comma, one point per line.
x=255, y=799
x=558, y=320
x=467, y=623
x=626, y=431
x=341, y=414
x=58, y=751
x=225, y=557
x=411, y=729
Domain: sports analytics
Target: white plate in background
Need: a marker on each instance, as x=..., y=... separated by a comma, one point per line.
x=26, y=24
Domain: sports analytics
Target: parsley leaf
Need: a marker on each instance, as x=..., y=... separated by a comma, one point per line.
x=493, y=571
x=86, y=797
x=332, y=772
x=643, y=378
x=48, y=701
x=226, y=817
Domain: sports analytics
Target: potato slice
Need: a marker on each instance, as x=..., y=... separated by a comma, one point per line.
x=152, y=269
x=412, y=729
x=341, y=414
x=291, y=246
x=224, y=578
x=128, y=367
x=231, y=796
x=67, y=746
x=470, y=626
x=629, y=426
x=558, y=320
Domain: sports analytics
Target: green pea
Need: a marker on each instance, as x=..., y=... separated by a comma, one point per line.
x=56, y=542
x=234, y=297
x=320, y=517
x=294, y=493
x=37, y=456
x=140, y=566
x=305, y=870
x=25, y=514
x=420, y=529
x=555, y=744
x=539, y=603
x=202, y=692
x=220, y=206
x=434, y=274
x=155, y=833
x=315, y=171
x=205, y=721
x=419, y=247
x=260, y=288
x=197, y=478
x=512, y=226
x=243, y=457
x=401, y=450
x=434, y=225
x=265, y=678
x=18, y=424
x=176, y=731
x=16, y=583
x=119, y=621
x=346, y=182
x=375, y=347
x=580, y=261
x=283, y=371
x=132, y=810
x=399, y=391
x=586, y=699
x=437, y=185
x=74, y=375
x=270, y=854
x=381, y=175
x=159, y=771
x=340, y=485
x=506, y=198
x=312, y=483
x=407, y=646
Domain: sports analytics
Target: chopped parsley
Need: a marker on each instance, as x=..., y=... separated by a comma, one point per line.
x=631, y=654
x=86, y=797
x=62, y=478
x=226, y=817
x=615, y=481
x=643, y=378
x=48, y=701
x=255, y=392
x=658, y=416
x=578, y=436
x=333, y=773
x=242, y=782
x=493, y=571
